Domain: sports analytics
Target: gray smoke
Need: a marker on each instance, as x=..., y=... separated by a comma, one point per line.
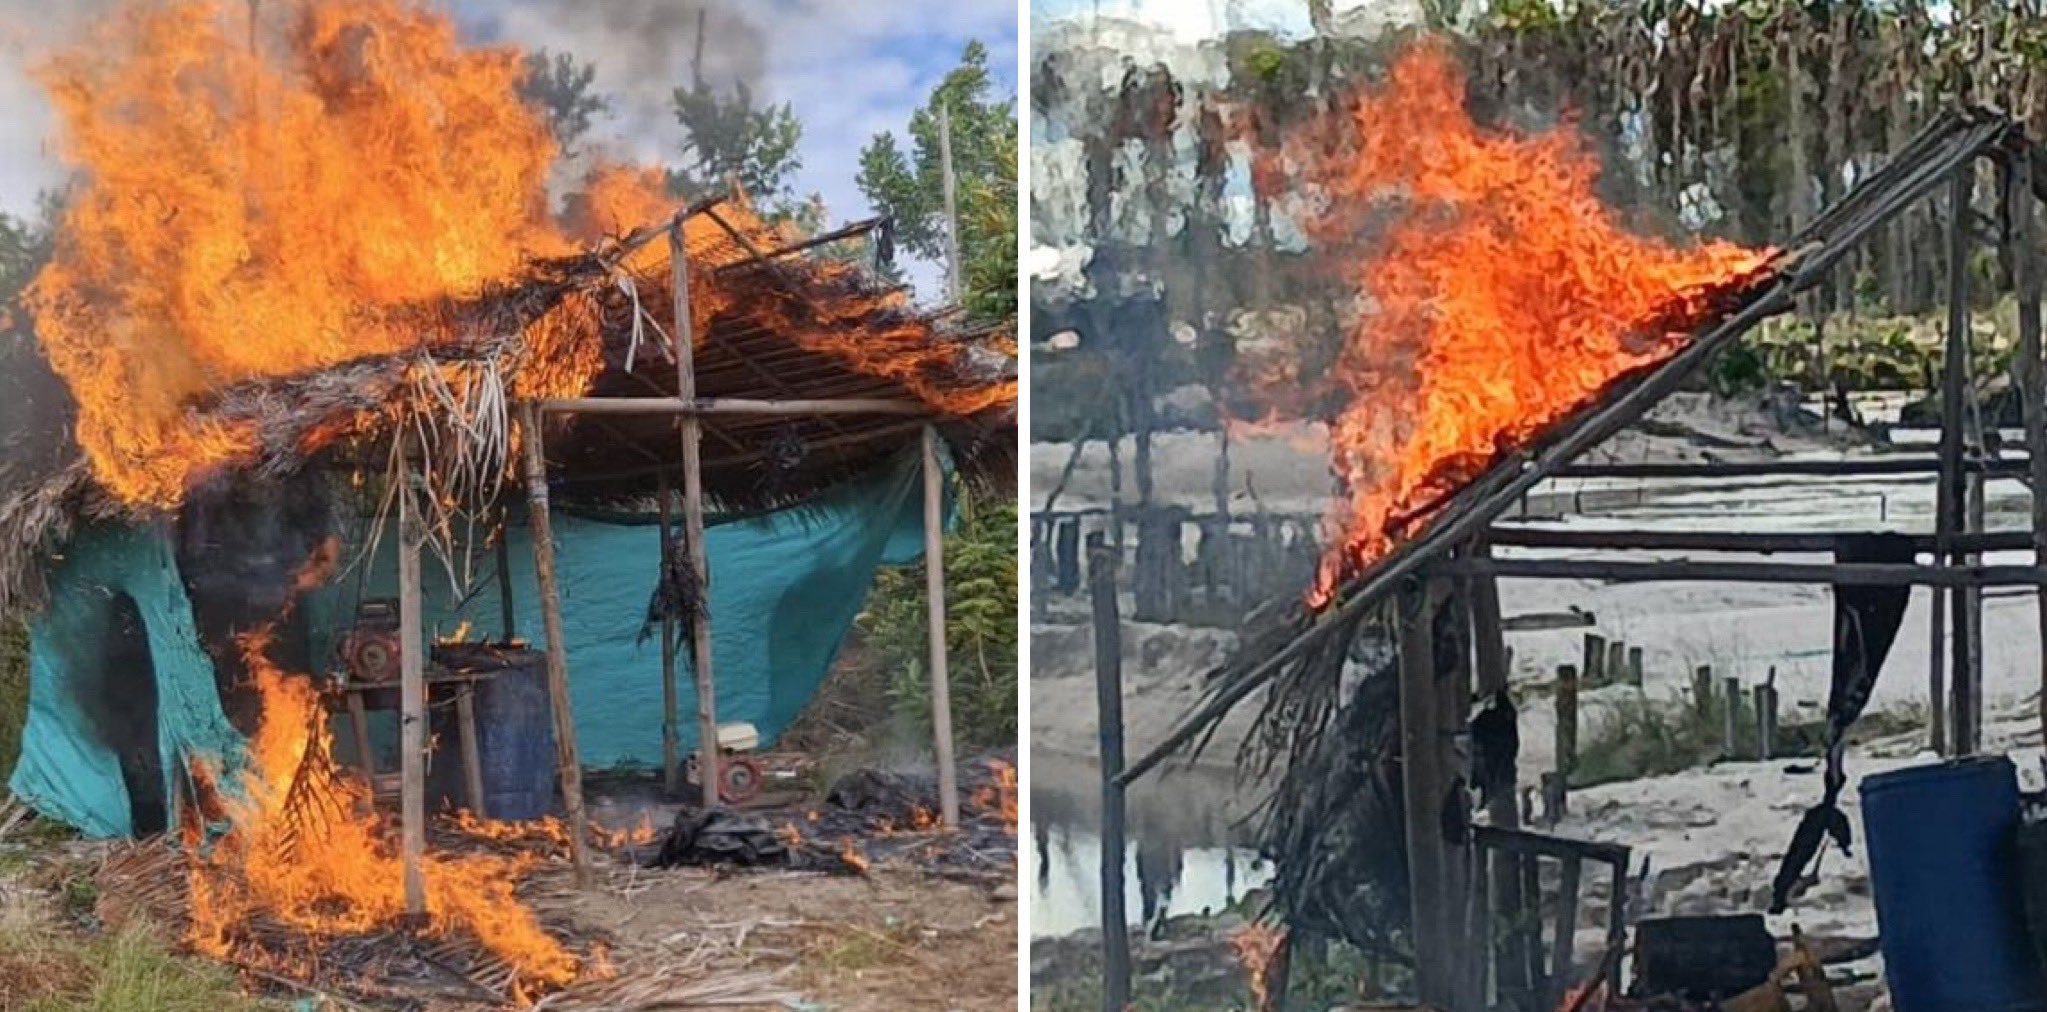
x=643, y=50
x=29, y=29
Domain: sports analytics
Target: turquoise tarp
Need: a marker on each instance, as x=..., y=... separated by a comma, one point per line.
x=785, y=588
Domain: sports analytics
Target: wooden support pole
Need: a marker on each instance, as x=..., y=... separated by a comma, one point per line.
x=1567, y=726
x=1635, y=666
x=1766, y=720
x=1563, y=945
x=567, y=759
x=671, y=696
x=1691, y=570
x=1108, y=629
x=1422, y=785
x=1731, y=746
x=1900, y=464
x=1702, y=689
x=508, y=622
x=934, y=595
x=1494, y=662
x=2032, y=376
x=1594, y=670
x=708, y=760
x=412, y=717
x=1616, y=670
x=1951, y=498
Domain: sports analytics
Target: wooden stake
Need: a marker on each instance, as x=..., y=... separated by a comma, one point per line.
x=1567, y=720
x=1594, y=671
x=1732, y=745
x=568, y=760
x=508, y=623
x=2032, y=380
x=952, y=212
x=1108, y=629
x=1702, y=689
x=1422, y=788
x=411, y=694
x=1635, y=666
x=934, y=594
x=693, y=521
x=1951, y=501
x=671, y=698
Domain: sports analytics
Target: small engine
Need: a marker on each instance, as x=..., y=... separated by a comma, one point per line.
x=372, y=651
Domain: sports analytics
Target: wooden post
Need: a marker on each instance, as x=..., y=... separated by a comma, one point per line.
x=671, y=697
x=708, y=763
x=1422, y=788
x=1766, y=720
x=1616, y=670
x=1702, y=689
x=1952, y=491
x=2032, y=380
x=567, y=759
x=1635, y=666
x=411, y=692
x=1594, y=671
x=1494, y=667
x=1108, y=630
x=952, y=212
x=934, y=593
x=1567, y=720
x=472, y=757
x=1731, y=749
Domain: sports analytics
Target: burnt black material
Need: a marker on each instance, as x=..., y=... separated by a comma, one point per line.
x=1703, y=958
x=717, y=836
x=120, y=701
x=1495, y=744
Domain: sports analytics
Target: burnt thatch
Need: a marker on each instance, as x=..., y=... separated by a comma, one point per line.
x=782, y=328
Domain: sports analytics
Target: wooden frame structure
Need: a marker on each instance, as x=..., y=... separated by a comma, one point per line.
x=1450, y=562
x=689, y=410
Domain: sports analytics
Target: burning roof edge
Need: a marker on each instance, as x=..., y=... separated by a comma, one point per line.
x=1287, y=635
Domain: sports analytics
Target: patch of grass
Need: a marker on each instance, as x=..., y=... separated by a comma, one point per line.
x=854, y=948
x=134, y=971
x=1637, y=736
x=13, y=692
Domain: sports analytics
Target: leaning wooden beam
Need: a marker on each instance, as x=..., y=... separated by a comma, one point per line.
x=411, y=693
x=1951, y=493
x=858, y=228
x=692, y=406
x=568, y=759
x=2032, y=376
x=934, y=596
x=693, y=521
x=1867, y=466
x=1862, y=574
x=1751, y=542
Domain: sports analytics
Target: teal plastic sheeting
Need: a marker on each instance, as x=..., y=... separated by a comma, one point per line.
x=67, y=770
x=785, y=589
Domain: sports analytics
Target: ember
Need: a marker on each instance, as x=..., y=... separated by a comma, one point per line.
x=1256, y=943
x=1503, y=294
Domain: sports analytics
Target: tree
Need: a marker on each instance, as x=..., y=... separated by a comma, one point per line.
x=909, y=185
x=560, y=88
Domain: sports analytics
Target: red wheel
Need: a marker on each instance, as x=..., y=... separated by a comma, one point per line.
x=742, y=780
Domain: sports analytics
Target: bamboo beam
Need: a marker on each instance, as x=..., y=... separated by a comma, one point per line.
x=1695, y=571
x=1750, y=542
x=693, y=405
x=823, y=239
x=671, y=699
x=934, y=594
x=568, y=760
x=2032, y=376
x=693, y=521
x=411, y=695
x=508, y=623
x=1108, y=635
x=1951, y=494
x=1869, y=466
x=1421, y=793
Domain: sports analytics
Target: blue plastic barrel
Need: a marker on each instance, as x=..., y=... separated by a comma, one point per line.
x=514, y=742
x=1944, y=868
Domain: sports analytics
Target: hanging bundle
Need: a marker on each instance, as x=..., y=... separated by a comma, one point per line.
x=678, y=596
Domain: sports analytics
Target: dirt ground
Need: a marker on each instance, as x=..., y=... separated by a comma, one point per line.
x=890, y=941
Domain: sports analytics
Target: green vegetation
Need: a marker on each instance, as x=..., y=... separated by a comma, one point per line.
x=1334, y=977
x=981, y=631
x=13, y=693
x=134, y=971
x=1636, y=736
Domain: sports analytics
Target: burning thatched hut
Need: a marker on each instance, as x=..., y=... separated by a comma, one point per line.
x=143, y=609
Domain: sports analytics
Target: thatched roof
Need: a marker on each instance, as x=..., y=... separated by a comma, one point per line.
x=783, y=328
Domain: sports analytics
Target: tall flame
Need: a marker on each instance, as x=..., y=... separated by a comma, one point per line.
x=302, y=843
x=1502, y=294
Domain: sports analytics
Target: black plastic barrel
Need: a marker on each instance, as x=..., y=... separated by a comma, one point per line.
x=1949, y=904
x=514, y=739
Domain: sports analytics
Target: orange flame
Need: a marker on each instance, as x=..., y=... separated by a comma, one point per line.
x=1000, y=796
x=244, y=213
x=1256, y=943
x=304, y=845
x=852, y=856
x=1503, y=295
